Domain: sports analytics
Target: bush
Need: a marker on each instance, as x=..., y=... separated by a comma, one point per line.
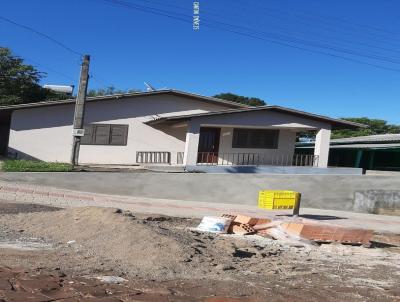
x=34, y=166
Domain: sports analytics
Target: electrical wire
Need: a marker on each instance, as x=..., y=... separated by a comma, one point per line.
x=170, y=14
x=271, y=35
x=50, y=69
x=322, y=24
x=208, y=12
x=42, y=35
x=325, y=18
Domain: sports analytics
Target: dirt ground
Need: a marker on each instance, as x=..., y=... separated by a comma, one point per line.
x=57, y=254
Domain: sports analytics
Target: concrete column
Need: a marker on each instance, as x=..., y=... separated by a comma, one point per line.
x=192, y=144
x=322, y=144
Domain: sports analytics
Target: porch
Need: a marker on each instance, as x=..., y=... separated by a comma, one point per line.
x=260, y=136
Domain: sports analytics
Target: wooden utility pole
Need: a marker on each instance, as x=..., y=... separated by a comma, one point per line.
x=80, y=110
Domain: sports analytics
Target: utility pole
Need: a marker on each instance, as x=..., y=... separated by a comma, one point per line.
x=78, y=131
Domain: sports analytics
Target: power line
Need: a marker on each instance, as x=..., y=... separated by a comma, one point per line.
x=273, y=36
x=42, y=35
x=346, y=41
x=325, y=18
x=94, y=77
x=210, y=24
x=322, y=24
x=312, y=32
x=100, y=80
x=50, y=69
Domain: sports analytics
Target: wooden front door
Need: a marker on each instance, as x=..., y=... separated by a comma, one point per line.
x=208, y=145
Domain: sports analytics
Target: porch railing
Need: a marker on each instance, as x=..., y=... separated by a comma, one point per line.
x=256, y=159
x=150, y=157
x=179, y=157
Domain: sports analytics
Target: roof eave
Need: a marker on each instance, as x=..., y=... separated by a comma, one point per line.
x=124, y=95
x=335, y=123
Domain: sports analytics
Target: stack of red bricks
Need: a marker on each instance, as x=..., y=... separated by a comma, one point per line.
x=304, y=229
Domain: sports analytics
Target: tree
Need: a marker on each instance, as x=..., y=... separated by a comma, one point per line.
x=251, y=101
x=109, y=91
x=19, y=82
x=375, y=126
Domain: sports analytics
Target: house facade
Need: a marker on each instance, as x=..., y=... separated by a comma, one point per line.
x=168, y=127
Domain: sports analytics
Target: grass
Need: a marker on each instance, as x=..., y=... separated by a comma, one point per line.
x=34, y=166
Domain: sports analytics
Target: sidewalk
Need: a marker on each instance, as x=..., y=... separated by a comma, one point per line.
x=28, y=193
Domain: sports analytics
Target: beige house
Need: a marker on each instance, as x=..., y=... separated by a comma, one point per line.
x=168, y=127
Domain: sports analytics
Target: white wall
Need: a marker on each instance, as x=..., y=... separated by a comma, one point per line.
x=45, y=133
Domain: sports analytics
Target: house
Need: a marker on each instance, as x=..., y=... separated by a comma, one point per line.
x=168, y=127
x=372, y=152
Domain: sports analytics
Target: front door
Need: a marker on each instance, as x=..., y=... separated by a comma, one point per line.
x=208, y=145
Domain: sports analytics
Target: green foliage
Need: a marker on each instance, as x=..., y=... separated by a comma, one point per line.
x=376, y=126
x=19, y=82
x=109, y=91
x=34, y=166
x=251, y=101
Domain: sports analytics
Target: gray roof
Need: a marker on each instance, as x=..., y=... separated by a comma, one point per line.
x=356, y=146
x=379, y=141
x=336, y=123
x=123, y=96
x=368, y=139
x=366, y=146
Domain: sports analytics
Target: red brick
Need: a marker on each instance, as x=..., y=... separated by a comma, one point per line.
x=293, y=227
x=328, y=233
x=263, y=221
x=10, y=189
x=25, y=190
x=55, y=194
x=41, y=193
x=85, y=197
x=241, y=228
x=229, y=216
x=246, y=220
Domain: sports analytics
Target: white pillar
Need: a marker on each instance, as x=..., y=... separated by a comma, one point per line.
x=322, y=144
x=192, y=144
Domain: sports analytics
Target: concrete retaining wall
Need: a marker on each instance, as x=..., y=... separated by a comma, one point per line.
x=377, y=202
x=318, y=191
x=274, y=170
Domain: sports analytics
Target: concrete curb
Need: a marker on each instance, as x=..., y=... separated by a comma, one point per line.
x=67, y=198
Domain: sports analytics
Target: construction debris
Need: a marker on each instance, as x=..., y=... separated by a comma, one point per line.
x=214, y=224
x=289, y=229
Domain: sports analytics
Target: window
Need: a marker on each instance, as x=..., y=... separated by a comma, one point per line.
x=255, y=138
x=105, y=134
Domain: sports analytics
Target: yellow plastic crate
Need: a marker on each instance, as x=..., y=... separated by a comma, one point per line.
x=278, y=200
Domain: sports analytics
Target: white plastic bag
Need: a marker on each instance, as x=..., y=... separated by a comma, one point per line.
x=214, y=224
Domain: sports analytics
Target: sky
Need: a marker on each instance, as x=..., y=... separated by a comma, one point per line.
x=299, y=54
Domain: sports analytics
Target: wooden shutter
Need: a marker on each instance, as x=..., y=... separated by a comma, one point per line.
x=119, y=135
x=101, y=134
x=255, y=138
x=270, y=139
x=87, y=139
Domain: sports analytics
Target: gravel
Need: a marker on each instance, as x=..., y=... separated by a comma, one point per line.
x=95, y=241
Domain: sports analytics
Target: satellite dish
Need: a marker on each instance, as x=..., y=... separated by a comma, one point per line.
x=149, y=87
